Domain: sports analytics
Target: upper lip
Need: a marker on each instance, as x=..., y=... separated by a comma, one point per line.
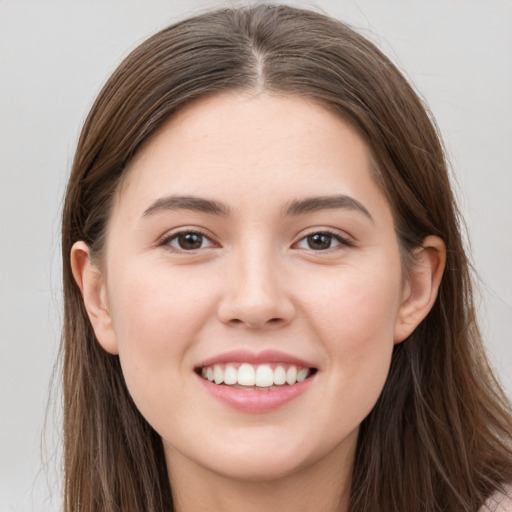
x=247, y=356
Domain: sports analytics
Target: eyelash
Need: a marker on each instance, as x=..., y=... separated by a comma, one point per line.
x=166, y=241
x=343, y=241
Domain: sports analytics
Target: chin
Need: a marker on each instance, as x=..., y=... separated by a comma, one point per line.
x=258, y=468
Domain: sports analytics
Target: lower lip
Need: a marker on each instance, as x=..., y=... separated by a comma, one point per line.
x=253, y=401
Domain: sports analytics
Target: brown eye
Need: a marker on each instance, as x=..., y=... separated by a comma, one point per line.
x=188, y=241
x=319, y=241
x=323, y=241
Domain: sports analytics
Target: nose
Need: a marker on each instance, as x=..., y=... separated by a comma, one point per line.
x=256, y=293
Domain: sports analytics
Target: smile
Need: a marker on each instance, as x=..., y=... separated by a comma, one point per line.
x=252, y=382
x=261, y=377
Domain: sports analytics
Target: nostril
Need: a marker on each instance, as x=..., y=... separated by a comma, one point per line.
x=264, y=323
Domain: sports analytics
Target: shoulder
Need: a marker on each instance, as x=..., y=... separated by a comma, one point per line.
x=499, y=501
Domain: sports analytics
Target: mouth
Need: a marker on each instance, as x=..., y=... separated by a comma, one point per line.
x=256, y=377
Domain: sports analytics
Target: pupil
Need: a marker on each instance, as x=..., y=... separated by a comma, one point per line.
x=190, y=241
x=319, y=241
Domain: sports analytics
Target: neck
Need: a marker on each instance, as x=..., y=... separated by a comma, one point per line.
x=323, y=485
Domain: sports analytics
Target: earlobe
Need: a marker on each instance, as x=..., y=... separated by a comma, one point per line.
x=421, y=287
x=92, y=285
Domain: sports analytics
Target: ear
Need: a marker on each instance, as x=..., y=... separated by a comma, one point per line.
x=92, y=284
x=421, y=286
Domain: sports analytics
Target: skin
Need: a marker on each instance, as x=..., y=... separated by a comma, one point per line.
x=255, y=283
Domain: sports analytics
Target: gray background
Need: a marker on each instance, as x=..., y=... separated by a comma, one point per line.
x=54, y=57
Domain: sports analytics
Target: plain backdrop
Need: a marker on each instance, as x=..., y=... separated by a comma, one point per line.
x=54, y=57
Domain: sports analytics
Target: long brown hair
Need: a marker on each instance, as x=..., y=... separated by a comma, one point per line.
x=439, y=437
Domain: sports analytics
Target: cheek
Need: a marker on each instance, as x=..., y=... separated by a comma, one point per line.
x=355, y=318
x=356, y=307
x=157, y=317
x=153, y=305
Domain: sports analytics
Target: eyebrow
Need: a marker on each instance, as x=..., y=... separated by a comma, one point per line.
x=295, y=207
x=196, y=204
x=315, y=204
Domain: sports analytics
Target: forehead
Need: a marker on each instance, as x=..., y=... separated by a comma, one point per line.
x=240, y=147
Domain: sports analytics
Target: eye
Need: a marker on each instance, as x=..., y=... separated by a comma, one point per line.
x=322, y=241
x=188, y=241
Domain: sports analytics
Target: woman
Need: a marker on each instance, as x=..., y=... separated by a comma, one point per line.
x=267, y=300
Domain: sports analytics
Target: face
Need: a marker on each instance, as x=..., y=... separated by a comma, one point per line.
x=252, y=285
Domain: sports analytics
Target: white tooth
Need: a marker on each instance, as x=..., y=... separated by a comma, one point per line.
x=218, y=374
x=204, y=371
x=302, y=374
x=209, y=374
x=264, y=376
x=246, y=375
x=279, y=376
x=291, y=375
x=230, y=374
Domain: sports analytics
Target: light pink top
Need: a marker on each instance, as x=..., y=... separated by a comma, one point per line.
x=499, y=502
